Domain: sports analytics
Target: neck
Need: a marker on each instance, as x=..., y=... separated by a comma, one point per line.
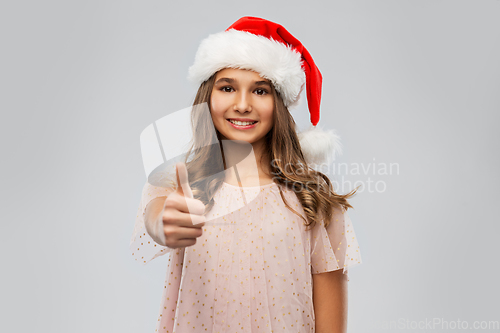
x=246, y=164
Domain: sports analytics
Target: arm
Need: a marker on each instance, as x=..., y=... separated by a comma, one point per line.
x=334, y=250
x=151, y=215
x=142, y=246
x=330, y=301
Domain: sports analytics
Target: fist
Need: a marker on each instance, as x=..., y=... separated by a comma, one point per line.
x=182, y=217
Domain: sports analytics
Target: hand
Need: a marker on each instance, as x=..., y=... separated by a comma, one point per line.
x=182, y=216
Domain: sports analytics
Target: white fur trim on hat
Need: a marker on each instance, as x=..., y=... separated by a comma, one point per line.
x=273, y=60
x=319, y=146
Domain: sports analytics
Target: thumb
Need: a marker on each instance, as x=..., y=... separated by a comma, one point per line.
x=183, y=187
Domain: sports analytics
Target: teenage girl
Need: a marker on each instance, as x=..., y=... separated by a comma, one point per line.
x=251, y=251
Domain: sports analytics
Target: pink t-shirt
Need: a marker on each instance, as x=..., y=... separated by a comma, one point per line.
x=251, y=270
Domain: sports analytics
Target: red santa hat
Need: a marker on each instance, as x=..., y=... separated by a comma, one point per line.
x=269, y=49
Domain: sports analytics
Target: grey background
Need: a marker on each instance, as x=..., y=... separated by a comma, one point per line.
x=409, y=82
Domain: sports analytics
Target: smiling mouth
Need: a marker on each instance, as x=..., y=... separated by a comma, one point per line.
x=241, y=123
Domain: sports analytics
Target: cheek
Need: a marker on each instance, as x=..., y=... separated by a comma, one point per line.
x=219, y=103
x=268, y=112
x=217, y=108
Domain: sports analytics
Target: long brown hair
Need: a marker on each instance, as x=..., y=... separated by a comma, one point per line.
x=288, y=165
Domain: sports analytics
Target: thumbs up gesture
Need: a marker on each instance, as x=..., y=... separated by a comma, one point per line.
x=182, y=216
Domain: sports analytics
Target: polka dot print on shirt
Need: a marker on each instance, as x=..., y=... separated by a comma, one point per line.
x=251, y=270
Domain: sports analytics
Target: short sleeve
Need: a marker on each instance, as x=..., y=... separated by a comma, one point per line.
x=336, y=246
x=142, y=246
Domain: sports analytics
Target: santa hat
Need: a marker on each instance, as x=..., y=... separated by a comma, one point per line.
x=269, y=49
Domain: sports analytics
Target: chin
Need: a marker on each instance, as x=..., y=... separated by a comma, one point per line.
x=242, y=141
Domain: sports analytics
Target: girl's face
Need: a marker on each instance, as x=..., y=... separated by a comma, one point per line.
x=242, y=105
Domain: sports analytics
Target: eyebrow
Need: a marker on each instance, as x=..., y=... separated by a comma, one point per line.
x=262, y=83
x=224, y=79
x=233, y=81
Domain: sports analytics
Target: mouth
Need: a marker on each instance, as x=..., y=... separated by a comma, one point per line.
x=242, y=124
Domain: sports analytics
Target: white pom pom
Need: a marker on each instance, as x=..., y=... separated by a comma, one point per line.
x=319, y=146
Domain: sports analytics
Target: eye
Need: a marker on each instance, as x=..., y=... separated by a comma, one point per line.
x=227, y=89
x=261, y=91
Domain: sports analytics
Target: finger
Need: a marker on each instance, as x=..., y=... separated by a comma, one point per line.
x=172, y=216
x=174, y=233
x=184, y=243
x=185, y=205
x=181, y=237
x=182, y=180
x=183, y=189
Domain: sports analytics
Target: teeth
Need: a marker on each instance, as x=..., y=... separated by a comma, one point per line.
x=242, y=123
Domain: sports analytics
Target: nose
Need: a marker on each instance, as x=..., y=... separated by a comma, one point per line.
x=243, y=102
